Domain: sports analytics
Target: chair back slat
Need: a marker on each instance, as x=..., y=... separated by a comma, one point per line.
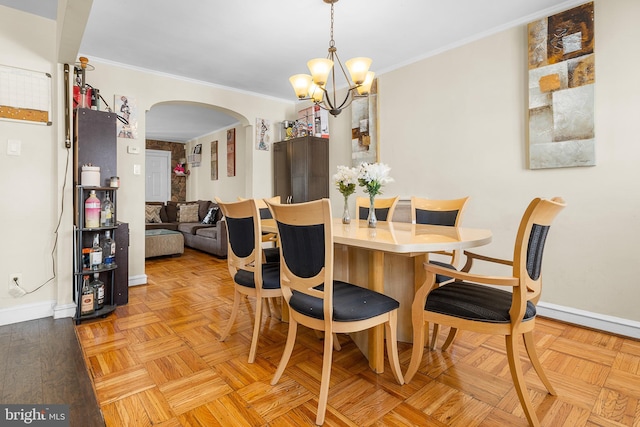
x=447, y=218
x=381, y=213
x=240, y=234
x=383, y=207
x=303, y=248
x=530, y=241
x=535, y=249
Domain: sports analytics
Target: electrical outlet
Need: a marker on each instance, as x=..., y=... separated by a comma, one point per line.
x=15, y=279
x=12, y=279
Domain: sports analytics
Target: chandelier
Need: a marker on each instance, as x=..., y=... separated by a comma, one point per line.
x=323, y=70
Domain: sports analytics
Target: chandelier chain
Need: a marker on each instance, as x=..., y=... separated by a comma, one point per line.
x=332, y=43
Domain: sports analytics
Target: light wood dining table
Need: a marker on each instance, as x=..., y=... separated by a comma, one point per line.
x=389, y=259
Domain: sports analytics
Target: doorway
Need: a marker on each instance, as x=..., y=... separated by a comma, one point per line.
x=158, y=175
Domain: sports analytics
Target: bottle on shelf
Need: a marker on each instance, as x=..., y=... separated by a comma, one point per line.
x=106, y=211
x=87, y=298
x=92, y=211
x=95, y=256
x=86, y=258
x=98, y=287
x=108, y=249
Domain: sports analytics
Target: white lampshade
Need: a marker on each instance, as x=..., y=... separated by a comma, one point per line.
x=365, y=87
x=320, y=69
x=358, y=68
x=301, y=84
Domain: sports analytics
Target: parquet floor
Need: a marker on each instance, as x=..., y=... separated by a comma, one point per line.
x=158, y=361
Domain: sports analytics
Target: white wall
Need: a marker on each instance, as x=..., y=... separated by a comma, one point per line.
x=32, y=182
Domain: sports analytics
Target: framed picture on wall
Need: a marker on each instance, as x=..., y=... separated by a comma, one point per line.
x=126, y=107
x=214, y=160
x=231, y=152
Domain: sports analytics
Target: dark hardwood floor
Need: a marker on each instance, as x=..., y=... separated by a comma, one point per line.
x=41, y=363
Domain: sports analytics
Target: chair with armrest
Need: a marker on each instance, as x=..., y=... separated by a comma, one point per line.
x=467, y=303
x=439, y=212
x=315, y=300
x=251, y=276
x=384, y=208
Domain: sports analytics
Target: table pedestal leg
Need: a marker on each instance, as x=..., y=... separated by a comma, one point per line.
x=376, y=334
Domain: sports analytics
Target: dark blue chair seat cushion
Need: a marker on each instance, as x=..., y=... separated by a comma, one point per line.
x=271, y=254
x=439, y=277
x=474, y=302
x=270, y=277
x=350, y=302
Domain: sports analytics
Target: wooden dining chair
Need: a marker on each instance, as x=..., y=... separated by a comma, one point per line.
x=271, y=254
x=446, y=212
x=384, y=207
x=468, y=303
x=251, y=276
x=315, y=300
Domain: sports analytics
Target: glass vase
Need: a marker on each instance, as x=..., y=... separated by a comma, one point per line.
x=372, y=221
x=346, y=218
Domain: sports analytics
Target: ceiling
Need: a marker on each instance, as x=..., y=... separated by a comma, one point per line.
x=255, y=45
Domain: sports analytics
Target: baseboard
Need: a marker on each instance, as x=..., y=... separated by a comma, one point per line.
x=602, y=322
x=63, y=311
x=140, y=279
x=23, y=313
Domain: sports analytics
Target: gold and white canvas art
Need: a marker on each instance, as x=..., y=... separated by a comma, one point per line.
x=561, y=89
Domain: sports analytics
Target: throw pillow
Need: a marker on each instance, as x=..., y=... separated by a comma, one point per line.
x=210, y=217
x=152, y=213
x=188, y=213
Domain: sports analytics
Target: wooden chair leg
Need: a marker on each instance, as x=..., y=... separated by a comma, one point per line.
x=518, y=380
x=276, y=308
x=434, y=337
x=392, y=346
x=336, y=343
x=327, y=360
x=418, y=347
x=288, y=349
x=257, y=321
x=530, y=346
x=267, y=306
x=450, y=338
x=232, y=318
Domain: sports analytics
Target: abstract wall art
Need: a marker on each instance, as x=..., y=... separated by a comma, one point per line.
x=561, y=89
x=364, y=128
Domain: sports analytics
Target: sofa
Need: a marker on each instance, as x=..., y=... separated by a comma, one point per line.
x=201, y=223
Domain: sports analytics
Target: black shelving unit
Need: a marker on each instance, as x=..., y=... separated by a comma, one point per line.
x=84, y=239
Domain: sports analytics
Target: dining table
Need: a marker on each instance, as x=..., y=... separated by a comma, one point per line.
x=389, y=259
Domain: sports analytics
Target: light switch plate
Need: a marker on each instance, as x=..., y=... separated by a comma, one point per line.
x=14, y=147
x=136, y=169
